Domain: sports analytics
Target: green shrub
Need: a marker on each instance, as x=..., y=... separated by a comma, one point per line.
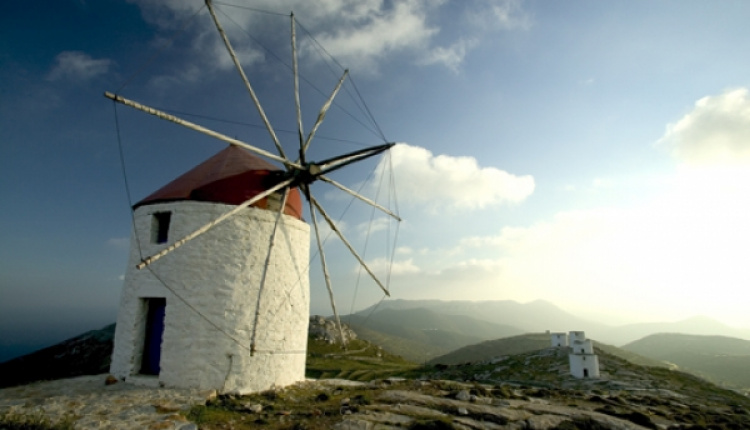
x=11, y=421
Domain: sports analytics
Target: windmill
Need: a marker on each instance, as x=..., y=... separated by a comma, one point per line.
x=274, y=354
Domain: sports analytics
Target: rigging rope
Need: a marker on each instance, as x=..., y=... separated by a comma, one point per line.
x=359, y=98
x=304, y=79
x=254, y=9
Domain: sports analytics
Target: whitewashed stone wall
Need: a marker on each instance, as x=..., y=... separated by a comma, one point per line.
x=584, y=363
x=559, y=340
x=211, y=286
x=576, y=336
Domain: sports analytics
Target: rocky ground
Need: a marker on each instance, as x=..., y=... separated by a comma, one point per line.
x=87, y=402
x=445, y=404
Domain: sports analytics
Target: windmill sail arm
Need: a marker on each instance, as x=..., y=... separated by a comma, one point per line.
x=348, y=245
x=298, y=106
x=335, y=163
x=359, y=196
x=165, y=116
x=148, y=260
x=245, y=80
x=325, y=271
x=323, y=111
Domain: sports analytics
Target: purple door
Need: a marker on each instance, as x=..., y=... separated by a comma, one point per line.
x=154, y=332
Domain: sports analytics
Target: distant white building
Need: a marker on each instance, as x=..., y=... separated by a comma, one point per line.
x=559, y=340
x=584, y=364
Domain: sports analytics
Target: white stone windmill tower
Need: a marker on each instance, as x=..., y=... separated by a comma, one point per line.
x=217, y=290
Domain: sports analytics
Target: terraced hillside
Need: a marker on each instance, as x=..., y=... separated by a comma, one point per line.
x=360, y=361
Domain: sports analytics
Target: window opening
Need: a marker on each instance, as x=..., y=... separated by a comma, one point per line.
x=160, y=227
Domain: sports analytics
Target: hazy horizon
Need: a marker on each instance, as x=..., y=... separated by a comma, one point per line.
x=38, y=335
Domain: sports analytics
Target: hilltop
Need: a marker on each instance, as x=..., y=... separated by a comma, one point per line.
x=87, y=354
x=529, y=343
x=420, y=334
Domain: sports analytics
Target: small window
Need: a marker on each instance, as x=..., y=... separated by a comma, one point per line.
x=160, y=227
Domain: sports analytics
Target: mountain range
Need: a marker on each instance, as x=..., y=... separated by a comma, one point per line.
x=541, y=316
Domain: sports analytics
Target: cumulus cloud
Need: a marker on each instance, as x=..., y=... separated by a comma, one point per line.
x=376, y=225
x=404, y=250
x=447, y=181
x=452, y=57
x=382, y=31
x=77, y=66
x=499, y=15
x=397, y=268
x=715, y=131
x=359, y=33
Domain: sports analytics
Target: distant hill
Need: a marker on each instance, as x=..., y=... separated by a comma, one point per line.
x=87, y=354
x=419, y=334
x=495, y=348
x=699, y=325
x=536, y=316
x=721, y=359
x=540, y=316
x=527, y=343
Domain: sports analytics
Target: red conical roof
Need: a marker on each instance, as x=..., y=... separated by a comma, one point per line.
x=232, y=176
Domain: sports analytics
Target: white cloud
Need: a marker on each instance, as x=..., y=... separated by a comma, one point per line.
x=715, y=131
x=404, y=250
x=376, y=225
x=678, y=255
x=404, y=27
x=452, y=57
x=397, y=268
x=440, y=181
x=499, y=14
x=602, y=183
x=358, y=33
x=77, y=66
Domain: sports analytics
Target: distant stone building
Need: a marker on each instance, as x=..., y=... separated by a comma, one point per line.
x=584, y=363
x=559, y=340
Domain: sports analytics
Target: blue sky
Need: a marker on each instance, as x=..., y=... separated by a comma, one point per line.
x=593, y=154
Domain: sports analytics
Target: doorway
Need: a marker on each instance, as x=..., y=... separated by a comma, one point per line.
x=155, y=311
